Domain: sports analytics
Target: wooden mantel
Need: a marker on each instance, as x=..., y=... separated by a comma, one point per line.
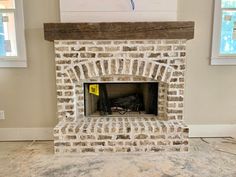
x=120, y=30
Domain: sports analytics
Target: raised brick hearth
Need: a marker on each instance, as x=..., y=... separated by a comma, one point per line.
x=117, y=134
x=130, y=61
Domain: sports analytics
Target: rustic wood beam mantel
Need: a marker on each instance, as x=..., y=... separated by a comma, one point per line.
x=121, y=30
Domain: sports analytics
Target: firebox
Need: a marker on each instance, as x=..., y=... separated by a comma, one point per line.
x=121, y=99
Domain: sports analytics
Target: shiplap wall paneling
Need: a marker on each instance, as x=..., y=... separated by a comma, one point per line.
x=117, y=10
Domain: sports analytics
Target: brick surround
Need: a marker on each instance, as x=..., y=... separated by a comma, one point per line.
x=81, y=61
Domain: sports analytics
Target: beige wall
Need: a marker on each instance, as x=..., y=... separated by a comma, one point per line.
x=210, y=90
x=28, y=95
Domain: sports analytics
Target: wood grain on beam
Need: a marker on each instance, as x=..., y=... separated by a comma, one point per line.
x=121, y=30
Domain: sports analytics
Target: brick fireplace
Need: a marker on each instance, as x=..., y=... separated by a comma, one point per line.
x=126, y=58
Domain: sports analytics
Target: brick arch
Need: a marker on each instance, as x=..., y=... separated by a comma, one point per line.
x=134, y=67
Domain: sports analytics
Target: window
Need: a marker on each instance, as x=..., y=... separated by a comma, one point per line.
x=12, y=38
x=224, y=33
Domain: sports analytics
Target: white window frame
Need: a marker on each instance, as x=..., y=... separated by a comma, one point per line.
x=20, y=60
x=216, y=58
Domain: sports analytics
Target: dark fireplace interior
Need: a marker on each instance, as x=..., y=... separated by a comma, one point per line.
x=121, y=99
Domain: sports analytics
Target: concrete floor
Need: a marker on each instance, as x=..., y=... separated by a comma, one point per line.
x=207, y=158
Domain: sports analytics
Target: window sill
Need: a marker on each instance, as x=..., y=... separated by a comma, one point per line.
x=223, y=61
x=13, y=64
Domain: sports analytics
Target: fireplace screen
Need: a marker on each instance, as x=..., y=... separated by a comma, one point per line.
x=121, y=99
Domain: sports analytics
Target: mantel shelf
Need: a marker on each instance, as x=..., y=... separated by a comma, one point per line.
x=119, y=31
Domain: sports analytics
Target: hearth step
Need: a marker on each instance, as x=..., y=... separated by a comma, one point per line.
x=116, y=134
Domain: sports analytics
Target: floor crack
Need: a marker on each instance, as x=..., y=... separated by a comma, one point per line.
x=225, y=151
x=204, y=140
x=216, y=148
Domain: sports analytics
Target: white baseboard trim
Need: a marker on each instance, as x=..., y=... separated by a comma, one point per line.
x=211, y=131
x=25, y=134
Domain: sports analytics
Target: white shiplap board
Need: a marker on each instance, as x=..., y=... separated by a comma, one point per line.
x=117, y=10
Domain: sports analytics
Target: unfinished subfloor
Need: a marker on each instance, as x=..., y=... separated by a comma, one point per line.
x=206, y=158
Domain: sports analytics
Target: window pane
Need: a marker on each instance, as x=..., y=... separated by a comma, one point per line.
x=228, y=32
x=228, y=3
x=7, y=4
x=7, y=35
